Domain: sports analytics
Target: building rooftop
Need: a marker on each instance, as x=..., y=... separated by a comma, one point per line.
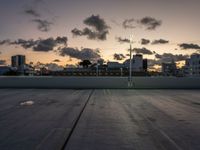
x=58, y=119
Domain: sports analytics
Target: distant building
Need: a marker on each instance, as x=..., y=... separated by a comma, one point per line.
x=138, y=64
x=18, y=61
x=192, y=65
x=4, y=70
x=115, y=65
x=169, y=69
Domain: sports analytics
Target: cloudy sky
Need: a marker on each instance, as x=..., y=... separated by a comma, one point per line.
x=68, y=31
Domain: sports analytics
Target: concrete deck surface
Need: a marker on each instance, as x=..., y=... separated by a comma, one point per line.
x=43, y=119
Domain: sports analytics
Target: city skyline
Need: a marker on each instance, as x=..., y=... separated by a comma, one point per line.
x=70, y=31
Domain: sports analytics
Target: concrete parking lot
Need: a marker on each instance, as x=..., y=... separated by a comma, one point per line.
x=61, y=119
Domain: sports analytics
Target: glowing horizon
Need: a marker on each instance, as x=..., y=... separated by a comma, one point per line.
x=179, y=24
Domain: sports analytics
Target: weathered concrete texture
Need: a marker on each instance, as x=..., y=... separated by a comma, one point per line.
x=112, y=119
x=100, y=82
x=42, y=125
x=140, y=120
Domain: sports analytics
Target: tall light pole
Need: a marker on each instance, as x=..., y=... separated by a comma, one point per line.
x=130, y=61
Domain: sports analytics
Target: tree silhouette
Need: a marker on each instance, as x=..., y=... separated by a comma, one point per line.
x=85, y=63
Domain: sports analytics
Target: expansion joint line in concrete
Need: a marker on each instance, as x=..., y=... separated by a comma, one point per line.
x=76, y=121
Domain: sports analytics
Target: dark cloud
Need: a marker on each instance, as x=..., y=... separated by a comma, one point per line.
x=168, y=57
x=61, y=40
x=122, y=40
x=145, y=41
x=2, y=62
x=24, y=43
x=98, y=23
x=119, y=56
x=86, y=32
x=34, y=9
x=92, y=35
x=31, y=9
x=189, y=46
x=150, y=23
x=129, y=23
x=32, y=12
x=99, y=30
x=4, y=42
x=49, y=44
x=43, y=45
x=160, y=41
x=83, y=54
x=77, y=32
x=56, y=60
x=143, y=51
x=43, y=25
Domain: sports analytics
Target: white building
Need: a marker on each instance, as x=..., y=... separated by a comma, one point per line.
x=192, y=67
x=137, y=63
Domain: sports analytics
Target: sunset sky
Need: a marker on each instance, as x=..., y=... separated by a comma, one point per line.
x=71, y=30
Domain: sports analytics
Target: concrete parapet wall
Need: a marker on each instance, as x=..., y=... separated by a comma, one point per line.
x=100, y=82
